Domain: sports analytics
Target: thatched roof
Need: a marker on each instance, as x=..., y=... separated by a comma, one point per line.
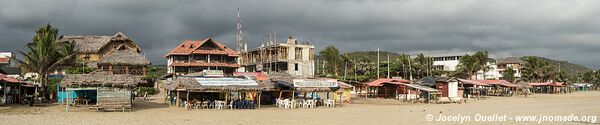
x=124, y=56
x=510, y=60
x=282, y=77
x=101, y=79
x=190, y=84
x=92, y=43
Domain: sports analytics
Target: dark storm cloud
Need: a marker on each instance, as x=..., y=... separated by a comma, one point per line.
x=558, y=29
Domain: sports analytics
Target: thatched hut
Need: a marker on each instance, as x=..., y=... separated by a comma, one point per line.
x=92, y=48
x=108, y=91
x=124, y=61
x=198, y=87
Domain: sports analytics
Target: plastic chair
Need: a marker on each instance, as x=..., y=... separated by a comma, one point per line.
x=230, y=106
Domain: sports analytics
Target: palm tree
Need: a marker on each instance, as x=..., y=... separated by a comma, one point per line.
x=538, y=70
x=509, y=75
x=45, y=54
x=333, y=58
x=467, y=67
x=481, y=58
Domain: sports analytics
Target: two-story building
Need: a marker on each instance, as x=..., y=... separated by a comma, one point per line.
x=199, y=55
x=514, y=63
x=117, y=54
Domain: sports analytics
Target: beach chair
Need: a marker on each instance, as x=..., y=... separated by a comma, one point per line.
x=230, y=106
x=204, y=105
x=219, y=105
x=287, y=104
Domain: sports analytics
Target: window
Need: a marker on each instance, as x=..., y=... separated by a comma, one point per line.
x=296, y=67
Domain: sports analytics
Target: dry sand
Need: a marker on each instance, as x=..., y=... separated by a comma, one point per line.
x=381, y=112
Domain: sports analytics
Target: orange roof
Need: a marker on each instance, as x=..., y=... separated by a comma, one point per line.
x=378, y=82
x=473, y=82
x=547, y=84
x=497, y=82
x=191, y=46
x=5, y=78
x=4, y=60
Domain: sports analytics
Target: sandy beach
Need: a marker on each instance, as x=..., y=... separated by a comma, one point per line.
x=387, y=112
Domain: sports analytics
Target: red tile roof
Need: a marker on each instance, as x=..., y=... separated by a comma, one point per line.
x=378, y=82
x=5, y=78
x=547, y=84
x=4, y=60
x=190, y=46
x=472, y=82
x=497, y=82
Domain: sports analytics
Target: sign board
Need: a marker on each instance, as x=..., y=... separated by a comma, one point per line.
x=315, y=83
x=225, y=82
x=247, y=73
x=213, y=73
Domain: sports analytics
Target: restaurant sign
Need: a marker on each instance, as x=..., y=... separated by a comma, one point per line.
x=315, y=83
x=214, y=73
x=225, y=82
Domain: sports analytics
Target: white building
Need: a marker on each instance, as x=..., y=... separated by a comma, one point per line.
x=450, y=61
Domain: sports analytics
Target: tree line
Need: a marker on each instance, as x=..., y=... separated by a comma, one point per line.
x=362, y=68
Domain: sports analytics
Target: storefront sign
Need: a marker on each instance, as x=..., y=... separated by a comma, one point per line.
x=315, y=83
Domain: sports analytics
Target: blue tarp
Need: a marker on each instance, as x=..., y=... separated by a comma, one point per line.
x=90, y=94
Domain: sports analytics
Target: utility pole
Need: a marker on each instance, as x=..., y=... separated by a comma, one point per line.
x=345, y=70
x=409, y=68
x=388, y=65
x=378, y=63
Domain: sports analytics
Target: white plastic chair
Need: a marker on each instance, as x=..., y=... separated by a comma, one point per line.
x=230, y=106
x=219, y=105
x=330, y=103
x=287, y=104
x=277, y=102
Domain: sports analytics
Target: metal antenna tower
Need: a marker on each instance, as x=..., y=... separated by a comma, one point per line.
x=239, y=34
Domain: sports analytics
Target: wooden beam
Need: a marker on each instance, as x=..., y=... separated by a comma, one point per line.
x=178, y=99
x=126, y=69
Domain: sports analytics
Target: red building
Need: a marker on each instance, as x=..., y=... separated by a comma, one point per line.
x=196, y=56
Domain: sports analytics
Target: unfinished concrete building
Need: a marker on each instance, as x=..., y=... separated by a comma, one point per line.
x=292, y=57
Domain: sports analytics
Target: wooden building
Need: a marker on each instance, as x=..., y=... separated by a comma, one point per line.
x=103, y=90
x=108, y=50
x=196, y=56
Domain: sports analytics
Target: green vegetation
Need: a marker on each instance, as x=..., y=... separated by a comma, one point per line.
x=362, y=67
x=149, y=90
x=509, y=74
x=45, y=53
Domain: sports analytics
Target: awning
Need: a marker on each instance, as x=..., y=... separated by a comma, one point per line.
x=379, y=82
x=464, y=81
x=226, y=81
x=497, y=82
x=5, y=78
x=420, y=87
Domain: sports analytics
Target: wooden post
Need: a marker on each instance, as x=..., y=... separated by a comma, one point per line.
x=366, y=92
x=187, y=96
x=126, y=69
x=280, y=93
x=226, y=99
x=259, y=97
x=177, y=101
x=293, y=99
x=144, y=70
x=110, y=69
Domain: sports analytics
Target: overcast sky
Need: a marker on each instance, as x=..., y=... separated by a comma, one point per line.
x=558, y=29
